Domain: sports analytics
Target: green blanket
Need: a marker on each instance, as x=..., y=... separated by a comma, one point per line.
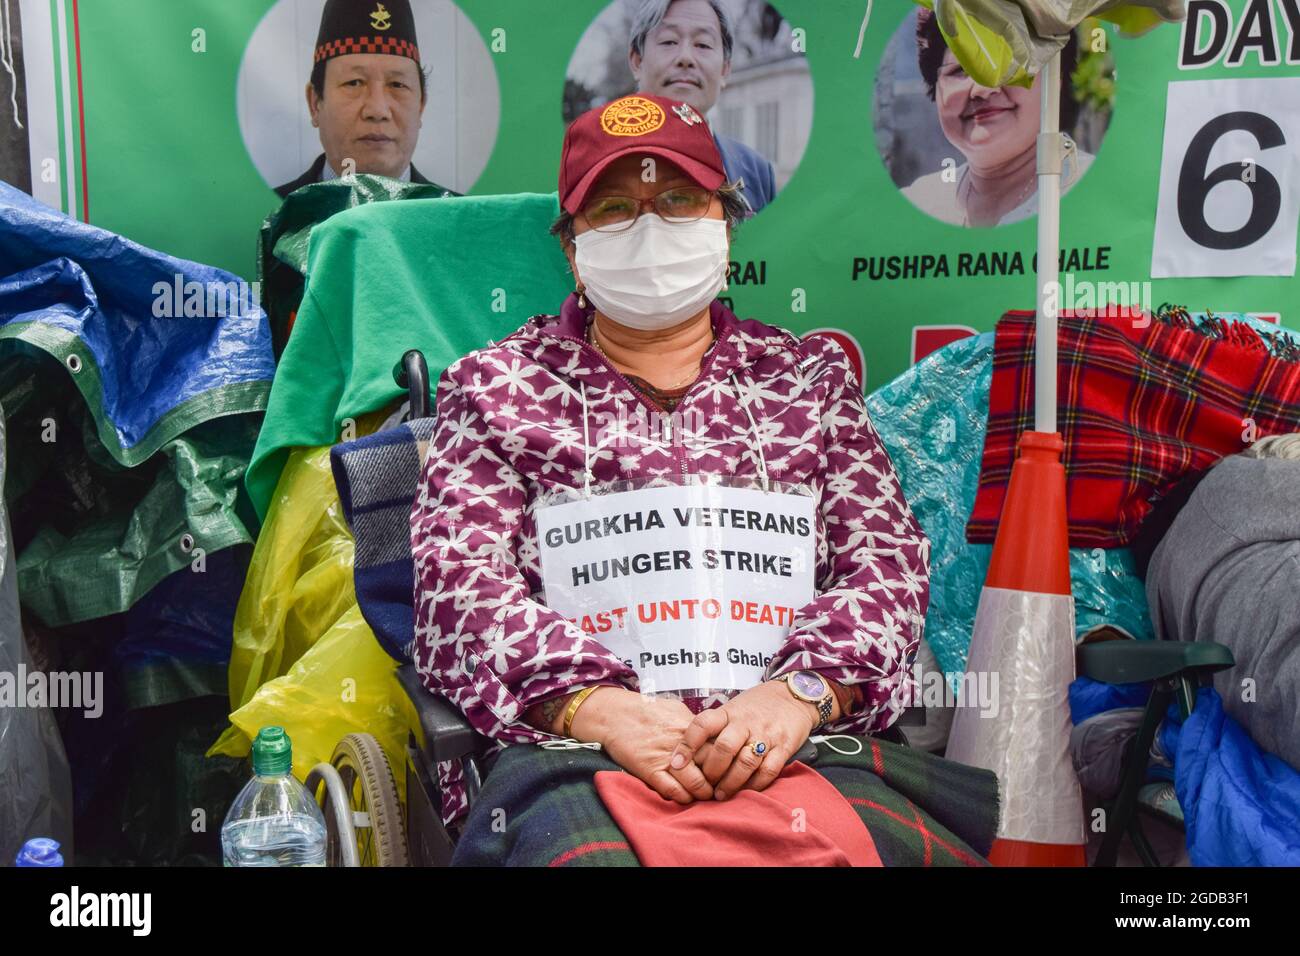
x=445, y=276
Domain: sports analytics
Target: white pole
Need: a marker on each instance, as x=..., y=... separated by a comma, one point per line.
x=1050, y=155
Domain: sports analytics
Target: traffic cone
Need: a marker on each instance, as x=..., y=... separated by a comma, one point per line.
x=1024, y=639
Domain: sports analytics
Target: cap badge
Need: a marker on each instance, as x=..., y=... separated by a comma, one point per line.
x=381, y=19
x=632, y=116
x=687, y=115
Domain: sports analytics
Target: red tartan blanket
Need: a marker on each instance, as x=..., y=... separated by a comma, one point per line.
x=1141, y=401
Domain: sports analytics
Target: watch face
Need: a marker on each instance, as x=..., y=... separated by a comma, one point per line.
x=810, y=685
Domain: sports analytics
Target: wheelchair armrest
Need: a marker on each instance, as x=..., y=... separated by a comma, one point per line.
x=1134, y=662
x=447, y=734
x=911, y=717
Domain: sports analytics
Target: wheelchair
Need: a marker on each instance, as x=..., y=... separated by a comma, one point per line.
x=1175, y=669
x=363, y=816
x=357, y=791
x=367, y=824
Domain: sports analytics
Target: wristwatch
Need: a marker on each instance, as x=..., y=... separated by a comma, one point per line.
x=812, y=687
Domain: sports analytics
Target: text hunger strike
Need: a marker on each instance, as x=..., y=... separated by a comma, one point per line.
x=752, y=562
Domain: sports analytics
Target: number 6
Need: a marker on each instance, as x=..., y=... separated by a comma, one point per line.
x=1194, y=186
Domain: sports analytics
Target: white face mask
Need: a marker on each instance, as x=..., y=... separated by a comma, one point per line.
x=654, y=274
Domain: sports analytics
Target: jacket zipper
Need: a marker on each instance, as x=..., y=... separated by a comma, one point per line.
x=677, y=444
x=653, y=409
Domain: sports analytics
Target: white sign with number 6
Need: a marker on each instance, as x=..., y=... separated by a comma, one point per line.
x=1229, y=179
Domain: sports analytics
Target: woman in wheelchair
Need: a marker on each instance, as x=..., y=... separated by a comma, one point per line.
x=646, y=379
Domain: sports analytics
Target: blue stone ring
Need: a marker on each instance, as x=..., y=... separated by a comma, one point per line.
x=758, y=747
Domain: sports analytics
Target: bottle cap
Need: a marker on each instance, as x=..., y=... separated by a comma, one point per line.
x=272, y=752
x=40, y=851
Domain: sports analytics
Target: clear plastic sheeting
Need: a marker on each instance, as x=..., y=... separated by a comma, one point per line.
x=932, y=420
x=36, y=797
x=1015, y=717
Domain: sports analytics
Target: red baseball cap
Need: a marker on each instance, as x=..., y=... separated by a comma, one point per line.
x=640, y=123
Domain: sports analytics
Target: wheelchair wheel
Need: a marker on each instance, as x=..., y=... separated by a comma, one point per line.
x=376, y=811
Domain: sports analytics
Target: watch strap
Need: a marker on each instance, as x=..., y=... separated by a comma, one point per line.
x=825, y=708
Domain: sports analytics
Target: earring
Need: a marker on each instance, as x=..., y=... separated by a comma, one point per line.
x=582, y=299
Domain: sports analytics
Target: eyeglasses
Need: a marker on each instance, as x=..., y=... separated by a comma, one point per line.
x=616, y=213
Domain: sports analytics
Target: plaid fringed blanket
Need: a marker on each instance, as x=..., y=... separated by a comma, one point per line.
x=1142, y=400
x=540, y=808
x=377, y=478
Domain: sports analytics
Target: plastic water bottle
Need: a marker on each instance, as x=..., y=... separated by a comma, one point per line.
x=274, y=821
x=39, y=851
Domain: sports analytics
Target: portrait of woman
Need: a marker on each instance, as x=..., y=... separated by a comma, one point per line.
x=970, y=158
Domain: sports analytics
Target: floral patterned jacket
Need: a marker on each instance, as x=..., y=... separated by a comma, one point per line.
x=523, y=416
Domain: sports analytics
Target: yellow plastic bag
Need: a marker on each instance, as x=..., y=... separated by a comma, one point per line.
x=299, y=592
x=343, y=684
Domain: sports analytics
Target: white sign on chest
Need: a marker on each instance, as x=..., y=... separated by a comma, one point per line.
x=694, y=586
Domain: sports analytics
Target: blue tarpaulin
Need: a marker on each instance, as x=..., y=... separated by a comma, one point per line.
x=73, y=289
x=133, y=384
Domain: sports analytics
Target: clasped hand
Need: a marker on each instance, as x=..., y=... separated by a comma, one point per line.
x=686, y=757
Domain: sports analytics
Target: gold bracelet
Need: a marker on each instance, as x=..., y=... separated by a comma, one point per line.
x=574, y=704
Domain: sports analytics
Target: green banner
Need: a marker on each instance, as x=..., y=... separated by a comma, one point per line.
x=904, y=207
